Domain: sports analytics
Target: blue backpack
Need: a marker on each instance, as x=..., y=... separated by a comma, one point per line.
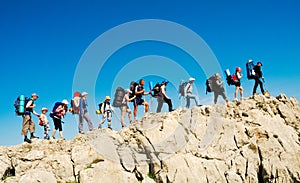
x=53, y=113
x=20, y=105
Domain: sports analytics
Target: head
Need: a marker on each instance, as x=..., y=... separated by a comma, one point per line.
x=65, y=102
x=165, y=82
x=218, y=76
x=259, y=64
x=107, y=98
x=142, y=82
x=238, y=69
x=84, y=94
x=34, y=96
x=44, y=110
x=191, y=80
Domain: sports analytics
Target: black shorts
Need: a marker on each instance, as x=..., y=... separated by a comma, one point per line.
x=138, y=101
x=237, y=84
x=57, y=124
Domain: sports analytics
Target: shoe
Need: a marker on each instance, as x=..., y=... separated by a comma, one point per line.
x=34, y=137
x=199, y=105
x=109, y=127
x=235, y=100
x=27, y=140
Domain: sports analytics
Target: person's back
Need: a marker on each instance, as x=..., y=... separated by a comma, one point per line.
x=163, y=97
x=258, y=76
x=218, y=88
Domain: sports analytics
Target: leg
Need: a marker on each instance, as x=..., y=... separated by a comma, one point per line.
x=236, y=92
x=103, y=119
x=60, y=130
x=88, y=120
x=215, y=97
x=255, y=86
x=25, y=125
x=261, y=87
x=146, y=106
x=241, y=92
x=188, y=102
x=169, y=102
x=129, y=114
x=109, y=120
x=80, y=124
x=159, y=104
x=224, y=96
x=123, y=113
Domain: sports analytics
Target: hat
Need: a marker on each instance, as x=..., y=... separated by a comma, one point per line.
x=84, y=93
x=44, y=109
x=128, y=91
x=259, y=63
x=165, y=81
x=64, y=101
x=107, y=98
x=34, y=94
x=192, y=79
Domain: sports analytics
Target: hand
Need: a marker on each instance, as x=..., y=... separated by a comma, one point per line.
x=38, y=115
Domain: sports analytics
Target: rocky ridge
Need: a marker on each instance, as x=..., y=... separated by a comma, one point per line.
x=256, y=140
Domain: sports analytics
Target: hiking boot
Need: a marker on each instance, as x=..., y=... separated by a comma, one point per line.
x=33, y=137
x=109, y=128
x=27, y=140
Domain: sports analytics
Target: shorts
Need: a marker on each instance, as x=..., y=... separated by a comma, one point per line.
x=138, y=102
x=125, y=108
x=237, y=83
x=57, y=124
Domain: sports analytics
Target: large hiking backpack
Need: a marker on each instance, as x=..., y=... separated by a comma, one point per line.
x=132, y=87
x=99, y=111
x=20, y=105
x=75, y=103
x=156, y=90
x=181, y=88
x=53, y=113
x=250, y=69
x=119, y=95
x=209, y=83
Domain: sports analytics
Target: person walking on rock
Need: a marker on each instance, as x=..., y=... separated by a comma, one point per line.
x=189, y=93
x=125, y=108
x=139, y=92
x=237, y=82
x=28, y=123
x=58, y=112
x=106, y=111
x=162, y=97
x=258, y=77
x=45, y=123
x=83, y=113
x=218, y=87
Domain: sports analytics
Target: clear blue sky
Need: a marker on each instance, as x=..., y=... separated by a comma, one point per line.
x=41, y=43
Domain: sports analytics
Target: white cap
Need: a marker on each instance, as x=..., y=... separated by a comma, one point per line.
x=34, y=94
x=128, y=91
x=84, y=93
x=65, y=102
x=44, y=109
x=192, y=79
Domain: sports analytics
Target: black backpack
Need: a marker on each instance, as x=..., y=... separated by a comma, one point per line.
x=132, y=87
x=181, y=87
x=210, y=83
x=119, y=95
x=156, y=90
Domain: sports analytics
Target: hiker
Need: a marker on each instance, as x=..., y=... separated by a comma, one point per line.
x=139, y=92
x=237, y=82
x=106, y=111
x=45, y=123
x=258, y=77
x=162, y=97
x=188, y=93
x=58, y=112
x=218, y=88
x=83, y=113
x=28, y=124
x=125, y=108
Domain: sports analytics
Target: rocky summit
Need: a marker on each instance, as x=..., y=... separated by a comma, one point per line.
x=255, y=140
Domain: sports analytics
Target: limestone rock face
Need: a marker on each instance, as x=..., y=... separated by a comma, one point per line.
x=255, y=140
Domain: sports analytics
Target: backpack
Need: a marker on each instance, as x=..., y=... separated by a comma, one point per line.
x=231, y=79
x=53, y=113
x=250, y=69
x=100, y=106
x=209, y=83
x=41, y=123
x=132, y=87
x=75, y=103
x=20, y=105
x=181, y=87
x=156, y=90
x=119, y=95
